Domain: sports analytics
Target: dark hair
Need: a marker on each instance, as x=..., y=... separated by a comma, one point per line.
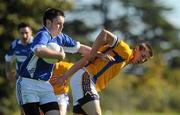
x=146, y=46
x=52, y=13
x=23, y=25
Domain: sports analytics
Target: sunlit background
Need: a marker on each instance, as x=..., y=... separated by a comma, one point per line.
x=148, y=89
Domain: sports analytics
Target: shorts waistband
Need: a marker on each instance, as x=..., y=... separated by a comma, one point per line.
x=33, y=78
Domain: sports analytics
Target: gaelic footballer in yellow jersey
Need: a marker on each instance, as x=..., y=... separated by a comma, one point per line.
x=61, y=91
x=59, y=69
x=92, y=73
x=102, y=71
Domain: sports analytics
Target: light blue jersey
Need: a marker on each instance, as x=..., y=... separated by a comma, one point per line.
x=19, y=51
x=35, y=67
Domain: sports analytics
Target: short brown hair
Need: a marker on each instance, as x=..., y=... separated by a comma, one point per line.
x=52, y=13
x=147, y=47
x=23, y=25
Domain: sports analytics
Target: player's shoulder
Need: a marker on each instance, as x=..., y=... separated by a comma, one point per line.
x=123, y=44
x=15, y=43
x=124, y=49
x=64, y=36
x=65, y=39
x=42, y=33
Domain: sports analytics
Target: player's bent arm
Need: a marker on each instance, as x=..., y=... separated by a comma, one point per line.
x=44, y=52
x=8, y=68
x=104, y=38
x=109, y=38
x=8, y=71
x=61, y=80
x=100, y=41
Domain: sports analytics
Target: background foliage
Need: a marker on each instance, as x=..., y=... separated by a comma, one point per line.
x=151, y=87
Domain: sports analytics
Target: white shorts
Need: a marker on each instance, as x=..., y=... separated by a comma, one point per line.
x=30, y=90
x=63, y=99
x=83, y=88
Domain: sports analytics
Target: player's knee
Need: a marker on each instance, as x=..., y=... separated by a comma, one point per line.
x=97, y=113
x=53, y=112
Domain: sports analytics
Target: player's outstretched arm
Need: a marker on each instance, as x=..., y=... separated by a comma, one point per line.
x=10, y=75
x=78, y=65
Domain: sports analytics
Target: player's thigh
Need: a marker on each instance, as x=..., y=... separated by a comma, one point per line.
x=76, y=86
x=83, y=91
x=63, y=102
x=53, y=112
x=81, y=86
x=21, y=111
x=31, y=108
x=63, y=109
x=26, y=91
x=77, y=109
x=63, y=99
x=50, y=108
x=92, y=107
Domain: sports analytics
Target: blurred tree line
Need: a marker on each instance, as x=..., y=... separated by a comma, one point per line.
x=152, y=86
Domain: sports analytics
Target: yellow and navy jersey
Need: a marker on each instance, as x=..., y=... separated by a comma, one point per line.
x=59, y=69
x=102, y=71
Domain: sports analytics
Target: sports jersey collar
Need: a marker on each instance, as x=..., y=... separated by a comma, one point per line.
x=45, y=29
x=130, y=54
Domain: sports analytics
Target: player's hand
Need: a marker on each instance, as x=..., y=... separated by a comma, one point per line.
x=103, y=56
x=56, y=80
x=106, y=57
x=11, y=76
x=62, y=54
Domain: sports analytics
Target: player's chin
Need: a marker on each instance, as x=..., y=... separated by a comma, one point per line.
x=25, y=39
x=59, y=31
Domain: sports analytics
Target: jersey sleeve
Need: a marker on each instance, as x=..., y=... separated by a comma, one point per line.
x=123, y=49
x=10, y=53
x=70, y=45
x=61, y=67
x=40, y=40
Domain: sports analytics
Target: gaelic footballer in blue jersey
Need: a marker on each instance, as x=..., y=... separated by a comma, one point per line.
x=33, y=87
x=19, y=50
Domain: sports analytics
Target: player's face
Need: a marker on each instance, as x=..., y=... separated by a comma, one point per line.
x=25, y=34
x=56, y=25
x=140, y=55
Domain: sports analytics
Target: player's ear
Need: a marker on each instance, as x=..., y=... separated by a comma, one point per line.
x=144, y=60
x=48, y=22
